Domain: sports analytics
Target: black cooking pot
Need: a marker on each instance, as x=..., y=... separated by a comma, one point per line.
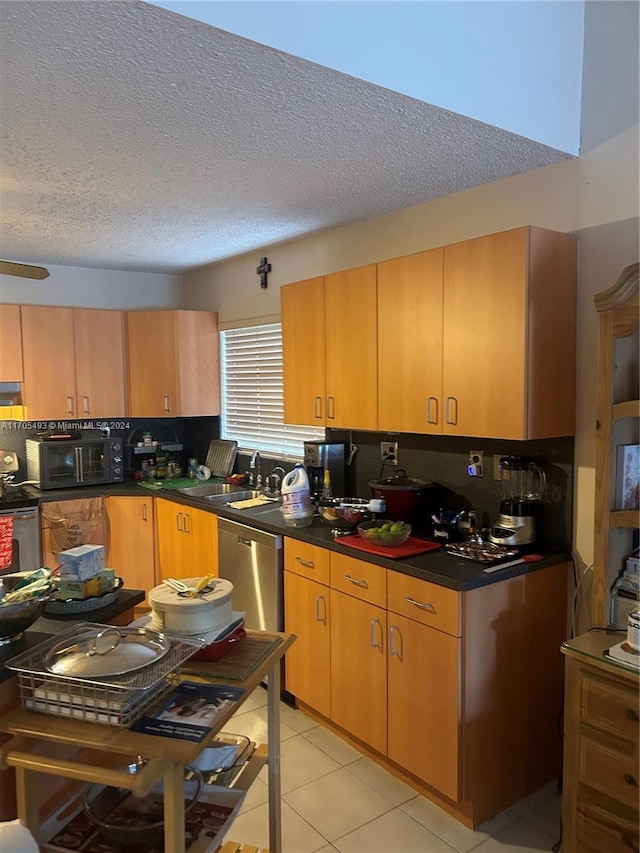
x=405, y=497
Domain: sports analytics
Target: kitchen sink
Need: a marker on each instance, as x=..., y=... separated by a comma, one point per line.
x=209, y=490
x=238, y=495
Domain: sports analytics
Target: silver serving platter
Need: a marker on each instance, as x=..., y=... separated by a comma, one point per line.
x=107, y=651
x=485, y=552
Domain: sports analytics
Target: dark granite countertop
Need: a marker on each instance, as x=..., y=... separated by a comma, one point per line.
x=435, y=566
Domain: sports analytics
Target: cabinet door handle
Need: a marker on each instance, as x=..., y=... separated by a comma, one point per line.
x=321, y=618
x=630, y=780
x=69, y=404
x=78, y=463
x=331, y=408
x=85, y=403
x=166, y=403
x=632, y=715
x=432, y=406
x=395, y=653
x=375, y=645
x=19, y=518
x=317, y=407
x=187, y=522
x=452, y=403
x=357, y=581
x=421, y=605
x=308, y=564
x=179, y=522
x=144, y=511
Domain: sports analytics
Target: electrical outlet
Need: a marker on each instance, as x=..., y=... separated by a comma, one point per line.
x=389, y=451
x=475, y=469
x=496, y=465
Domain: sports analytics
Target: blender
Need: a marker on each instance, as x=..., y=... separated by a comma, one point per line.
x=522, y=483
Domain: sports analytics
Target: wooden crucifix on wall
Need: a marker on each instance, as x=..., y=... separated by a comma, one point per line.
x=262, y=271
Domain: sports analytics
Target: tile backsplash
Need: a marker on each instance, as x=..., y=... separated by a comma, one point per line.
x=437, y=458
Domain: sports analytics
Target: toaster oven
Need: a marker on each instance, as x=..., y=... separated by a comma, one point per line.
x=63, y=463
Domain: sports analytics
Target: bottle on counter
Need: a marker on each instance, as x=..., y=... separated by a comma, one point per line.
x=326, y=484
x=161, y=467
x=297, y=509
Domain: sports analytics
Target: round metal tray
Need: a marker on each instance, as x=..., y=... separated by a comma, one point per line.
x=107, y=651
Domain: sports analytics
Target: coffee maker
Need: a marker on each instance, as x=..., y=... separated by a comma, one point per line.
x=522, y=483
x=332, y=455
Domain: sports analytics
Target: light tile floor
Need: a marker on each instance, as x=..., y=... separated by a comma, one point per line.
x=336, y=799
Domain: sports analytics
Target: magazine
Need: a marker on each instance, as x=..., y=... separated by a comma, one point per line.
x=189, y=713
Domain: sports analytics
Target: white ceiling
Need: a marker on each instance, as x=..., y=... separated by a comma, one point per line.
x=136, y=139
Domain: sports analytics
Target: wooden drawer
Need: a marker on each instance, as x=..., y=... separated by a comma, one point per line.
x=610, y=707
x=428, y=603
x=603, y=832
x=606, y=769
x=307, y=560
x=365, y=581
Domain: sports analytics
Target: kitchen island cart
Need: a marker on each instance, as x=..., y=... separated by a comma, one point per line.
x=32, y=733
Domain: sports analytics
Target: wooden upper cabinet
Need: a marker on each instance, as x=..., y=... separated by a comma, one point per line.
x=99, y=360
x=351, y=336
x=173, y=363
x=303, y=352
x=49, y=362
x=509, y=335
x=73, y=362
x=329, y=337
x=10, y=344
x=410, y=343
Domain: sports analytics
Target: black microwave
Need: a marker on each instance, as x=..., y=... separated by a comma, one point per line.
x=61, y=463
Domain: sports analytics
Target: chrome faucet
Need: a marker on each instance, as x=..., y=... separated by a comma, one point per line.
x=255, y=470
x=276, y=479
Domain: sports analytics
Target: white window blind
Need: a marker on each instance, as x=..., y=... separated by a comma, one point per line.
x=253, y=394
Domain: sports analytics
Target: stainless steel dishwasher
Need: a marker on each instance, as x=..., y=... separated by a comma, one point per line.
x=253, y=561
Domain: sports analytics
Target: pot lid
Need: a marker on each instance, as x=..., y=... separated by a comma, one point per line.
x=217, y=592
x=106, y=652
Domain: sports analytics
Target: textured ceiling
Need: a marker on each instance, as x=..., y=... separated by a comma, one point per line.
x=136, y=139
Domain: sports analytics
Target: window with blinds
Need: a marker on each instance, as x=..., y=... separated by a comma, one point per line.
x=253, y=393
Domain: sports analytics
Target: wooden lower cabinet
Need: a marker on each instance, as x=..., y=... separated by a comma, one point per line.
x=600, y=799
x=131, y=549
x=307, y=615
x=459, y=693
x=424, y=703
x=359, y=669
x=187, y=541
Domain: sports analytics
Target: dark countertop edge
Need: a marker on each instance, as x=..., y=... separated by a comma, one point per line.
x=436, y=566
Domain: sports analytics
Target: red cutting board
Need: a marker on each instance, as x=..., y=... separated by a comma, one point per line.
x=408, y=549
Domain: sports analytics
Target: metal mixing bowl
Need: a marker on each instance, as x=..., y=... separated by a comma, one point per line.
x=16, y=617
x=344, y=514
x=127, y=819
